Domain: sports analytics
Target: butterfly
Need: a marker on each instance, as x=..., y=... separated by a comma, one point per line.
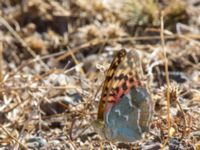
x=125, y=108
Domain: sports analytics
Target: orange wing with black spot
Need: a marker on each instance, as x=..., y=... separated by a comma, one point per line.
x=108, y=81
x=123, y=74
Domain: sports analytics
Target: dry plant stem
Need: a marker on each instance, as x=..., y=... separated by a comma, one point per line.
x=14, y=33
x=1, y=66
x=23, y=132
x=77, y=49
x=75, y=60
x=71, y=128
x=167, y=77
x=39, y=87
x=72, y=145
x=101, y=146
x=98, y=41
x=15, y=139
x=185, y=121
x=80, y=133
x=31, y=61
x=168, y=37
x=1, y=61
x=188, y=38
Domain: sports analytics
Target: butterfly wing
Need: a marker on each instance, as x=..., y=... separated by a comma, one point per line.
x=123, y=99
x=119, y=57
x=123, y=74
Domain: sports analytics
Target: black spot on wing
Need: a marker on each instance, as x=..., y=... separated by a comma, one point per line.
x=131, y=80
x=117, y=89
x=125, y=77
x=108, y=77
x=130, y=73
x=121, y=76
x=124, y=86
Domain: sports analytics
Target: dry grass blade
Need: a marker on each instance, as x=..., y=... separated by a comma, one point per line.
x=12, y=137
x=166, y=77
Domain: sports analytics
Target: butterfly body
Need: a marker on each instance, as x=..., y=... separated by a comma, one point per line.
x=125, y=108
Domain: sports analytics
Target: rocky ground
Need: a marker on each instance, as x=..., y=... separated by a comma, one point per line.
x=53, y=58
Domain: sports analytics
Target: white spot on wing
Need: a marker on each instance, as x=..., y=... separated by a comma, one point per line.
x=118, y=111
x=137, y=90
x=126, y=117
x=138, y=121
x=143, y=94
x=106, y=116
x=129, y=99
